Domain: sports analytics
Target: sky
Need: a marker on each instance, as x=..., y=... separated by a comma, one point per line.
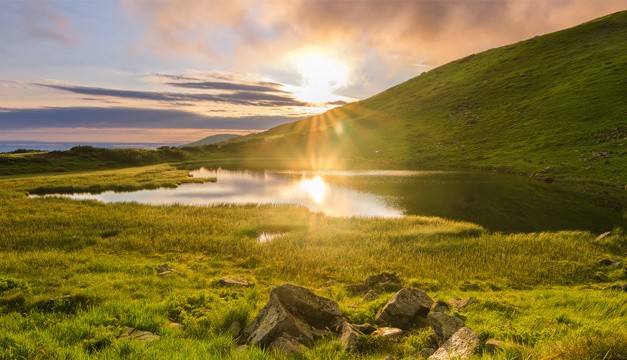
x=177, y=71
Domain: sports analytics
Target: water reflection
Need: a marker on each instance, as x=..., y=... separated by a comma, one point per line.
x=261, y=187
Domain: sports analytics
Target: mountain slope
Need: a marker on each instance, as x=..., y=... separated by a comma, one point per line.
x=558, y=101
x=213, y=139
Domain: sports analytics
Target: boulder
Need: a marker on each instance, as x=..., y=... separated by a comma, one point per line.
x=403, y=308
x=165, y=269
x=370, y=295
x=231, y=282
x=292, y=318
x=620, y=287
x=134, y=334
x=365, y=329
x=349, y=336
x=492, y=345
x=425, y=353
x=463, y=344
x=444, y=326
x=603, y=236
x=441, y=306
x=384, y=282
x=388, y=332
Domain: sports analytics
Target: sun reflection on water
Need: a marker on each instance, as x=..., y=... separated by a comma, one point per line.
x=316, y=188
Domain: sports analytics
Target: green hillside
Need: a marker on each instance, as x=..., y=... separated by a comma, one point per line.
x=557, y=101
x=212, y=139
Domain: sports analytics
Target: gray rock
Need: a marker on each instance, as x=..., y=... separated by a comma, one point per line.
x=619, y=287
x=460, y=304
x=444, y=326
x=292, y=318
x=463, y=344
x=492, y=346
x=288, y=344
x=355, y=289
x=388, y=332
x=235, y=329
x=365, y=329
x=166, y=269
x=349, y=336
x=441, y=306
x=605, y=262
x=425, y=353
x=384, y=282
x=403, y=308
x=603, y=236
x=134, y=334
x=370, y=295
x=231, y=282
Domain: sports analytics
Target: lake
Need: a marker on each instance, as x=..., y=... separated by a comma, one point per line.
x=498, y=202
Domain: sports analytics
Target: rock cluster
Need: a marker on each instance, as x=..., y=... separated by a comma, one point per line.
x=295, y=318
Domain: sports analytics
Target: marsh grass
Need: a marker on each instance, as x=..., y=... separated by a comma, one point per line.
x=539, y=293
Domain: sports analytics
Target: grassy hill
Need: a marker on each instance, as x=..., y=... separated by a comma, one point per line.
x=556, y=101
x=212, y=139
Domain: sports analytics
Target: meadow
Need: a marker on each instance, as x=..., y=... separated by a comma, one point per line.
x=541, y=294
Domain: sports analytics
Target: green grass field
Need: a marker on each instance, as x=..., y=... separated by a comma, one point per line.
x=540, y=293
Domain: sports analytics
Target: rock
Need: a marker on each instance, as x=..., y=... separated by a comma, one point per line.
x=349, y=336
x=616, y=265
x=231, y=282
x=463, y=344
x=492, y=346
x=288, y=344
x=425, y=353
x=384, y=282
x=294, y=315
x=601, y=154
x=165, y=269
x=441, y=306
x=235, y=329
x=365, y=329
x=175, y=325
x=403, y=308
x=355, y=289
x=134, y=334
x=460, y=304
x=370, y=295
x=620, y=287
x=605, y=262
x=603, y=236
x=444, y=326
x=388, y=332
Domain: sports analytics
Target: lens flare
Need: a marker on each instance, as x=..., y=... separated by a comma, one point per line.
x=315, y=188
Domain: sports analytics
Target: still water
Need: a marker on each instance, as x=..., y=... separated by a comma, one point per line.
x=496, y=201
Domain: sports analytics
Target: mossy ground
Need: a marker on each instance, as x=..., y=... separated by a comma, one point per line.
x=540, y=293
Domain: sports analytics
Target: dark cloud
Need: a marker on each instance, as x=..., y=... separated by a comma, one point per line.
x=237, y=98
x=221, y=85
x=337, y=102
x=92, y=117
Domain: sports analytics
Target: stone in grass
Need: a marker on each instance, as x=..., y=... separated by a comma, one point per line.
x=365, y=329
x=293, y=318
x=387, y=332
x=492, y=345
x=603, y=236
x=231, y=282
x=403, y=308
x=425, y=353
x=444, y=326
x=165, y=269
x=620, y=287
x=370, y=295
x=134, y=334
x=441, y=306
x=349, y=336
x=384, y=282
x=462, y=345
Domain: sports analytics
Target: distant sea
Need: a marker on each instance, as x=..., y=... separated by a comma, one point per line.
x=6, y=146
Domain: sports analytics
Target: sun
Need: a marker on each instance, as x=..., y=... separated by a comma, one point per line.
x=321, y=74
x=315, y=188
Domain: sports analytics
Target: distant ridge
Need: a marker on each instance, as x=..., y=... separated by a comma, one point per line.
x=212, y=139
x=555, y=103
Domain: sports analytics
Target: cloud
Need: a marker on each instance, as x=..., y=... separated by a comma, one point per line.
x=36, y=20
x=94, y=117
x=248, y=98
x=391, y=33
x=220, y=85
